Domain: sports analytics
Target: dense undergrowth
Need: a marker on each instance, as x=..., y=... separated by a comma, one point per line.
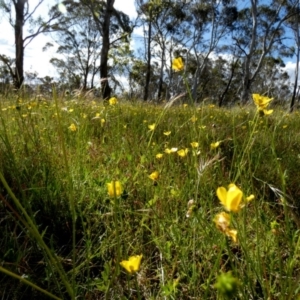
x=62, y=232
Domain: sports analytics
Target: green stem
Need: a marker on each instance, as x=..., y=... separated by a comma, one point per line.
x=248, y=146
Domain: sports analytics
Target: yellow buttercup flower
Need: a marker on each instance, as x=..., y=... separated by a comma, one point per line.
x=167, y=133
x=159, y=155
x=154, y=175
x=113, y=101
x=114, y=189
x=183, y=152
x=172, y=150
x=177, y=64
x=214, y=145
x=73, y=127
x=261, y=102
x=132, y=265
x=152, y=126
x=250, y=198
x=194, y=144
x=230, y=199
x=267, y=112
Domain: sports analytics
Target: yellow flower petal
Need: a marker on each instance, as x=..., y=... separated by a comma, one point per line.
x=113, y=101
x=73, y=127
x=114, y=189
x=159, y=155
x=250, y=198
x=152, y=126
x=214, y=145
x=183, y=152
x=132, y=265
x=261, y=102
x=154, y=175
x=230, y=199
x=222, y=195
x=177, y=64
x=268, y=112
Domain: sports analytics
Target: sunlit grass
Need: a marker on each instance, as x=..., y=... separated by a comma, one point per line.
x=102, y=183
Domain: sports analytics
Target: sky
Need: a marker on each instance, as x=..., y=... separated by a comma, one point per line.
x=38, y=61
x=35, y=59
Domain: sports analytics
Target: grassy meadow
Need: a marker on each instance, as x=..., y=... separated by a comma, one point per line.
x=119, y=200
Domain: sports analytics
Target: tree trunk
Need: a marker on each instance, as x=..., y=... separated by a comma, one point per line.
x=19, y=72
x=106, y=90
x=247, y=80
x=246, y=91
x=161, y=76
x=148, y=70
x=221, y=98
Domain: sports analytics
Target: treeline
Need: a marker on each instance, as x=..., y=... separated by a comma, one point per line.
x=230, y=48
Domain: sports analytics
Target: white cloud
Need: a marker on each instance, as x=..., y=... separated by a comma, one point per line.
x=290, y=69
x=7, y=43
x=126, y=6
x=37, y=60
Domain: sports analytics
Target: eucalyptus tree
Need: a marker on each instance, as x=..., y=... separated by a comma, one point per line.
x=79, y=41
x=273, y=80
x=137, y=75
x=171, y=29
x=212, y=22
x=162, y=21
x=145, y=14
x=265, y=36
x=115, y=29
x=20, y=14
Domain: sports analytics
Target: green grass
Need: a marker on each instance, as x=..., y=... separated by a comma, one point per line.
x=63, y=235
